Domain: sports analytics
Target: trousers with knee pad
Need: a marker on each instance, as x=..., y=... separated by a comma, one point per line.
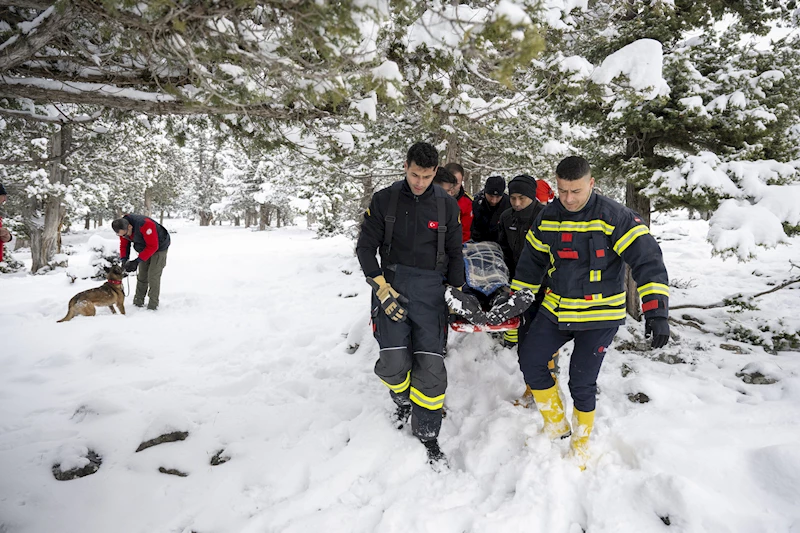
x=544, y=338
x=411, y=362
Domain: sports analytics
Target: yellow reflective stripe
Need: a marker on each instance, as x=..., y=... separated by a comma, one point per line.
x=397, y=389
x=428, y=402
x=627, y=239
x=511, y=335
x=653, y=288
x=517, y=285
x=591, y=316
x=536, y=243
x=590, y=225
x=595, y=275
x=368, y=214
x=596, y=301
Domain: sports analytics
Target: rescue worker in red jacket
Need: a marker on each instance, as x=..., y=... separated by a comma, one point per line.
x=151, y=240
x=580, y=243
x=464, y=201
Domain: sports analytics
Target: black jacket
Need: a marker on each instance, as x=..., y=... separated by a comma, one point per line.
x=415, y=235
x=485, y=218
x=148, y=237
x=514, y=226
x=583, y=255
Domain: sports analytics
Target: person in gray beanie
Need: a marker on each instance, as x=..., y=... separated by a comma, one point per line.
x=487, y=207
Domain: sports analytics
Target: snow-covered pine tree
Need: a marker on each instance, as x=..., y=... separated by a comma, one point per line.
x=647, y=81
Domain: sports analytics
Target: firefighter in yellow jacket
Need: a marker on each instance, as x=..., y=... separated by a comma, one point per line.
x=580, y=242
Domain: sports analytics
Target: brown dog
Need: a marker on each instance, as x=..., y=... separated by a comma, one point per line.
x=110, y=293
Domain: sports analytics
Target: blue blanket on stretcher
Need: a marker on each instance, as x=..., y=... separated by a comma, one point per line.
x=485, y=266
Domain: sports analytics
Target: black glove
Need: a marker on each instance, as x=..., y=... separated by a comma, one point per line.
x=658, y=327
x=131, y=266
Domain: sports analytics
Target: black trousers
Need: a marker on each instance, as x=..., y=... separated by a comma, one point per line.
x=544, y=338
x=411, y=359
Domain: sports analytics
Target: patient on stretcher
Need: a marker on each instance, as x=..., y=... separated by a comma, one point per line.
x=486, y=300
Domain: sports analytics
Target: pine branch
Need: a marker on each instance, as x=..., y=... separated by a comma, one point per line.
x=26, y=44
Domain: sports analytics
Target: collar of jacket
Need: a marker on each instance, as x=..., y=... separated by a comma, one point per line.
x=461, y=193
x=527, y=213
x=407, y=190
x=589, y=204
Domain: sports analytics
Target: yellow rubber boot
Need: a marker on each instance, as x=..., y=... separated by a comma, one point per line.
x=579, y=443
x=549, y=403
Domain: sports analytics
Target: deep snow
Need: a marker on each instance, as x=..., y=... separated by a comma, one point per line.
x=249, y=353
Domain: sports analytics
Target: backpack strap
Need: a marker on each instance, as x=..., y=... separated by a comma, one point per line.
x=441, y=209
x=389, y=220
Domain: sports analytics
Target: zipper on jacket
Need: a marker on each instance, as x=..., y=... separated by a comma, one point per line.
x=414, y=240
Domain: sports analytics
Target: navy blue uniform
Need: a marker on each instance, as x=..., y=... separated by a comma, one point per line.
x=411, y=362
x=582, y=256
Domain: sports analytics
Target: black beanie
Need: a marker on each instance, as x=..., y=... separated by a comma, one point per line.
x=2, y=190
x=524, y=185
x=495, y=185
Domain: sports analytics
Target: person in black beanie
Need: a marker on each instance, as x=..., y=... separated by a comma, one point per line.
x=513, y=227
x=487, y=207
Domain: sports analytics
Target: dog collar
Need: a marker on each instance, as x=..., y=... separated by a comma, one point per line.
x=115, y=282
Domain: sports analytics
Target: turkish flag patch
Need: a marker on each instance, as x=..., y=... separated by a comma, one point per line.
x=432, y=224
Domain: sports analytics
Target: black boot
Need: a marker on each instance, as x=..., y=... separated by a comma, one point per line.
x=465, y=305
x=517, y=304
x=401, y=414
x=436, y=457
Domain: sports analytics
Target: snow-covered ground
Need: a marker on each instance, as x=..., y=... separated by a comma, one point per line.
x=252, y=353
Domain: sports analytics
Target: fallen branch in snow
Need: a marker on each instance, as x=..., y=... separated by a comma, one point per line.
x=692, y=324
x=737, y=298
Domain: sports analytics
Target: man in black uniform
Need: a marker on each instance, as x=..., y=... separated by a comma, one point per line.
x=415, y=227
x=580, y=242
x=487, y=207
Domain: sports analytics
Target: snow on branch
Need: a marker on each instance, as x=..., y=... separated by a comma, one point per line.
x=755, y=199
x=35, y=35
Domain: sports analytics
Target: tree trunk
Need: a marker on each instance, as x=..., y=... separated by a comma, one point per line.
x=236, y=220
x=43, y=221
x=161, y=217
x=367, y=188
x=148, y=202
x=206, y=217
x=640, y=204
x=278, y=216
x=263, y=220
x=452, y=153
x=87, y=222
x=641, y=146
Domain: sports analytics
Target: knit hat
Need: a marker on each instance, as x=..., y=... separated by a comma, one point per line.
x=543, y=192
x=495, y=185
x=2, y=190
x=524, y=185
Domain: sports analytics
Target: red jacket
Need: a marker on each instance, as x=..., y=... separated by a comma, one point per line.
x=465, y=204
